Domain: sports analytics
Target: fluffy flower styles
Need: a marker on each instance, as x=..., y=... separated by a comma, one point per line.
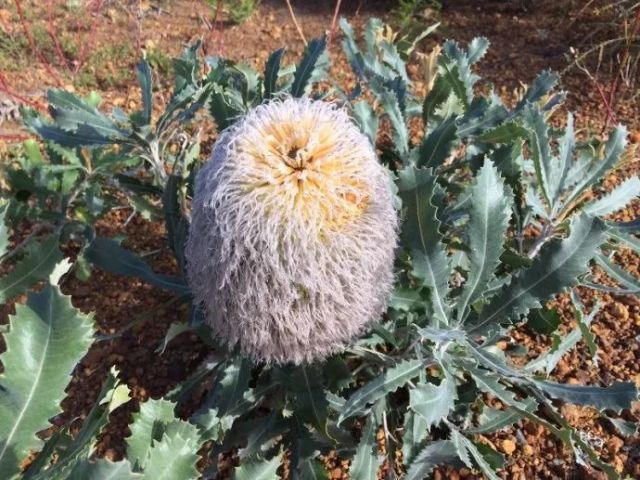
x=293, y=234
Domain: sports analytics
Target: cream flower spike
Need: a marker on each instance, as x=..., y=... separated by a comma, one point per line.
x=292, y=243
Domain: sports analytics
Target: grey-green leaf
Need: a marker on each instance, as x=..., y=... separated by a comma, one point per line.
x=4, y=231
x=463, y=443
x=616, y=199
x=103, y=469
x=505, y=133
x=613, y=150
x=437, y=144
x=540, y=150
x=47, y=338
x=258, y=469
x=38, y=263
x=433, y=402
x=108, y=255
x=489, y=214
x=367, y=461
x=389, y=381
x=418, y=189
x=227, y=394
x=434, y=454
x=556, y=267
x=367, y=120
x=148, y=426
x=306, y=383
x=271, y=69
x=175, y=455
x=616, y=397
x=145, y=78
x=306, y=67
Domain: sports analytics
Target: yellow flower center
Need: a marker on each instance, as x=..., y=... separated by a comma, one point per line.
x=303, y=166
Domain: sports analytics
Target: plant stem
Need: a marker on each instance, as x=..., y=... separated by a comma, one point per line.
x=547, y=232
x=36, y=230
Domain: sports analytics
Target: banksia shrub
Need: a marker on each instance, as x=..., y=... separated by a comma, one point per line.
x=293, y=235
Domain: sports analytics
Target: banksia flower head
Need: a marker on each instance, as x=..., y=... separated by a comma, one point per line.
x=292, y=242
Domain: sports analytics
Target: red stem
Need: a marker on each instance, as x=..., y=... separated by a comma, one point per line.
x=334, y=22
x=97, y=6
x=4, y=87
x=54, y=37
x=33, y=45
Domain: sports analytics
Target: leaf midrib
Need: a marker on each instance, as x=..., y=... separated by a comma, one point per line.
x=357, y=403
x=36, y=267
x=484, y=258
x=423, y=241
x=34, y=384
x=535, y=284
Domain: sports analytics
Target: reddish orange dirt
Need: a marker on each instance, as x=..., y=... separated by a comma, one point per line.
x=523, y=42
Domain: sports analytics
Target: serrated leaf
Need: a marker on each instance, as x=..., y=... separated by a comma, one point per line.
x=175, y=455
x=477, y=49
x=228, y=391
x=305, y=382
x=628, y=429
x=103, y=469
x=81, y=136
x=562, y=165
x=367, y=461
x=148, y=426
x=414, y=432
x=176, y=223
x=436, y=146
x=490, y=383
x=175, y=329
x=620, y=275
x=433, y=402
x=481, y=116
x=556, y=267
x=262, y=435
x=38, y=263
x=258, y=469
x=489, y=214
x=544, y=320
x=420, y=234
x=4, y=231
x=613, y=150
x=112, y=395
x=538, y=137
x=47, y=338
x=620, y=235
x=505, y=133
x=541, y=86
x=584, y=325
x=434, y=454
x=560, y=346
x=616, y=199
x=404, y=299
x=110, y=256
x=145, y=78
x=73, y=114
x=271, y=69
x=389, y=381
x=391, y=106
x=616, y=397
x=306, y=67
x=464, y=447
x=367, y=120
x=223, y=108
x=493, y=420
x=437, y=96
x=312, y=469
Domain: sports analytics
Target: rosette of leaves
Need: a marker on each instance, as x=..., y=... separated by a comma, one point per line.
x=497, y=221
